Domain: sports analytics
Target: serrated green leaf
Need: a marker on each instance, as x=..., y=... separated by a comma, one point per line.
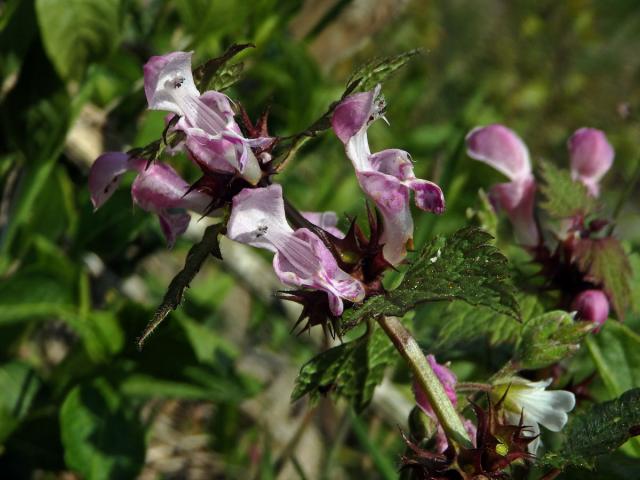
x=462, y=323
x=615, y=351
x=597, y=431
x=377, y=71
x=351, y=370
x=549, y=338
x=466, y=266
x=564, y=197
x=102, y=438
x=604, y=262
x=76, y=32
x=217, y=74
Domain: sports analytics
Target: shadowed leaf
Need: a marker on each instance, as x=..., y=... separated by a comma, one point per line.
x=175, y=292
x=351, y=370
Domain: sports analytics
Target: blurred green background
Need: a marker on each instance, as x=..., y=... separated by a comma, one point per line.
x=209, y=395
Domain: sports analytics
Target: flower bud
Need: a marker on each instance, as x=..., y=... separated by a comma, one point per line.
x=592, y=306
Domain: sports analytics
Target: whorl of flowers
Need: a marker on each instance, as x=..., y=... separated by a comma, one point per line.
x=325, y=267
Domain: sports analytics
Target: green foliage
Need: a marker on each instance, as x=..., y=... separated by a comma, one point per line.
x=605, y=263
x=377, y=71
x=599, y=430
x=549, y=338
x=462, y=323
x=351, y=370
x=101, y=436
x=77, y=32
x=466, y=266
x=19, y=384
x=216, y=74
x=564, y=197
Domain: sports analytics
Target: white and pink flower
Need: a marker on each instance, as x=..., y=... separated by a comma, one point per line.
x=301, y=258
x=387, y=177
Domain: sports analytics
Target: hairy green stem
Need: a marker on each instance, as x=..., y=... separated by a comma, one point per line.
x=426, y=377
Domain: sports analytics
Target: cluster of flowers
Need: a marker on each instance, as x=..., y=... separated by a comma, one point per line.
x=591, y=156
x=507, y=430
x=327, y=266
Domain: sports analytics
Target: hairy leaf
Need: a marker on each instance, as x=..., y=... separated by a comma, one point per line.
x=564, y=197
x=351, y=370
x=175, y=292
x=605, y=263
x=102, y=439
x=549, y=338
x=462, y=323
x=466, y=266
x=377, y=71
x=216, y=74
x=76, y=32
x=599, y=430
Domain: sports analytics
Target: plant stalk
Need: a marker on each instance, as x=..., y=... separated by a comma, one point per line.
x=426, y=377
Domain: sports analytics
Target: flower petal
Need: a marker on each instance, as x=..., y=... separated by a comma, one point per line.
x=328, y=221
x=166, y=74
x=105, y=175
x=428, y=195
x=255, y=213
x=591, y=157
x=173, y=224
x=500, y=148
x=392, y=199
x=393, y=162
x=324, y=275
x=159, y=187
x=517, y=199
x=353, y=114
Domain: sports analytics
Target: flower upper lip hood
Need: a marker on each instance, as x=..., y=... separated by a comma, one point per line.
x=301, y=259
x=591, y=157
x=537, y=405
x=213, y=138
x=500, y=148
x=387, y=177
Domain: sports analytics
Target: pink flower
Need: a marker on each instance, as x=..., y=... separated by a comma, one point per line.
x=387, y=177
x=592, y=306
x=213, y=138
x=500, y=148
x=301, y=259
x=158, y=189
x=591, y=157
